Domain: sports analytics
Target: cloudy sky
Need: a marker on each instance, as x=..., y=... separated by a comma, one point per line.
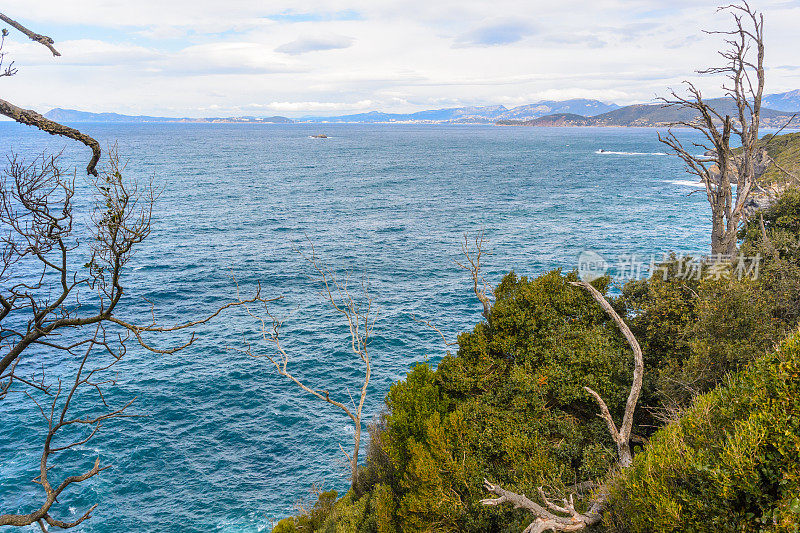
x=301, y=57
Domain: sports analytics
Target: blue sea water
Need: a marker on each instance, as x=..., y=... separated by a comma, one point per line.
x=225, y=444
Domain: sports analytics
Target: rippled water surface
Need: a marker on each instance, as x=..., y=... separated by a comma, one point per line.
x=225, y=444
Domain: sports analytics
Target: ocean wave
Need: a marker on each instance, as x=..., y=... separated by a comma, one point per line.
x=686, y=183
x=604, y=152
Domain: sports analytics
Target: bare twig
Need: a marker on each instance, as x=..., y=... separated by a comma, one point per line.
x=473, y=266
x=360, y=316
x=434, y=328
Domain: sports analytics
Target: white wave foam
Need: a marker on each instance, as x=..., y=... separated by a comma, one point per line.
x=604, y=152
x=686, y=183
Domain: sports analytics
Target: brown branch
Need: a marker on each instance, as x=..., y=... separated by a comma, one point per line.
x=41, y=39
x=32, y=118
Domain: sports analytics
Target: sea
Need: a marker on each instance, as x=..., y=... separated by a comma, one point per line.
x=221, y=441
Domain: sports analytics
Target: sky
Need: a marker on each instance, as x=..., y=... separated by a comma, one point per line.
x=201, y=58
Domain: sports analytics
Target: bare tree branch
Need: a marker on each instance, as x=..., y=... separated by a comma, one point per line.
x=69, y=305
x=434, y=328
x=550, y=516
x=41, y=39
x=473, y=266
x=32, y=118
x=359, y=314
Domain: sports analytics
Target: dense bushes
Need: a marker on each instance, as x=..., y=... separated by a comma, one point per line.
x=696, y=331
x=510, y=405
x=731, y=463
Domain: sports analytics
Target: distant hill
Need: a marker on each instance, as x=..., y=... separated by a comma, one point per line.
x=789, y=101
x=576, y=112
x=649, y=115
x=487, y=114
x=71, y=115
x=557, y=119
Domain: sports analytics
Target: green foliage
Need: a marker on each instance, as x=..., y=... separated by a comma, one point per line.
x=509, y=406
x=785, y=150
x=696, y=331
x=730, y=464
x=312, y=520
x=780, y=272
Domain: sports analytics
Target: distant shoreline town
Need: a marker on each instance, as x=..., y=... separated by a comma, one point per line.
x=778, y=109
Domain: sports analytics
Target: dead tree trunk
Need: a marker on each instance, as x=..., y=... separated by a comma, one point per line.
x=721, y=167
x=553, y=517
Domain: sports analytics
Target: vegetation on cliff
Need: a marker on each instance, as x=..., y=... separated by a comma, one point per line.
x=510, y=406
x=728, y=464
x=785, y=152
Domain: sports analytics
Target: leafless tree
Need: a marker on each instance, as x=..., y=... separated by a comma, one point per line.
x=550, y=516
x=473, y=250
x=472, y=264
x=359, y=314
x=62, y=295
x=721, y=167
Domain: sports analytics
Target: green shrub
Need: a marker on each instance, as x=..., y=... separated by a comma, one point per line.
x=509, y=406
x=694, y=332
x=731, y=463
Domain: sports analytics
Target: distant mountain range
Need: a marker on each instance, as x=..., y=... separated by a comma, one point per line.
x=71, y=115
x=472, y=115
x=576, y=112
x=454, y=115
x=650, y=115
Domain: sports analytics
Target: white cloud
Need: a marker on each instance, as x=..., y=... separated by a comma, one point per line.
x=85, y=52
x=317, y=106
x=225, y=58
x=314, y=44
x=496, y=34
x=149, y=56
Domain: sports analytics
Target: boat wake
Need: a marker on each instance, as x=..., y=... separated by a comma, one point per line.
x=607, y=152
